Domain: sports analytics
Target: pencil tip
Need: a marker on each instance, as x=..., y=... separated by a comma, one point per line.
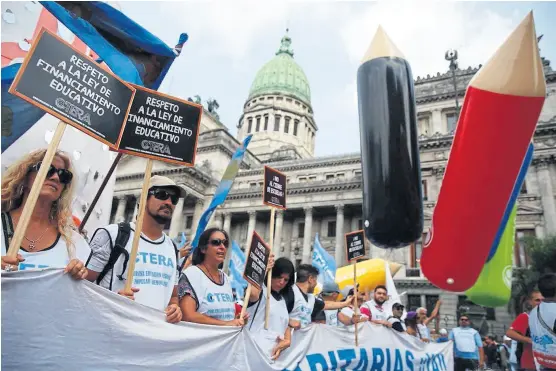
x=381, y=46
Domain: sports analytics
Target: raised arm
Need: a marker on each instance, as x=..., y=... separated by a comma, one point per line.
x=434, y=312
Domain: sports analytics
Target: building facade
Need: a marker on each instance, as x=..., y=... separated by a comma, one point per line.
x=324, y=193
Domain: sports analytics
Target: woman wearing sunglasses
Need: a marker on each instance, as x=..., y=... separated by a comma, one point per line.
x=50, y=240
x=204, y=291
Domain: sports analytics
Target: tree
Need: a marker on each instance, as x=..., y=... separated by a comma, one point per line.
x=542, y=256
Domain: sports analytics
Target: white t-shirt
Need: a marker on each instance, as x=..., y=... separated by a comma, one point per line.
x=55, y=256
x=544, y=339
x=302, y=309
x=378, y=312
x=332, y=317
x=423, y=331
x=349, y=312
x=277, y=322
x=213, y=299
x=155, y=272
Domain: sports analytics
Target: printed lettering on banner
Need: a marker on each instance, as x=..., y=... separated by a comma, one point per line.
x=161, y=127
x=69, y=85
x=256, y=262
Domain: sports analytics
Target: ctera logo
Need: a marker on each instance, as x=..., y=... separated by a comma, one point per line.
x=73, y=110
x=149, y=145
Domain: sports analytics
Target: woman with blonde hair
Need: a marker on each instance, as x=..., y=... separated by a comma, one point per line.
x=50, y=239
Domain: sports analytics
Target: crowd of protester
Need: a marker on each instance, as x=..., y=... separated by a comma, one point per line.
x=201, y=292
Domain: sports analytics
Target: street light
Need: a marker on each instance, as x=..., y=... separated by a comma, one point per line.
x=452, y=56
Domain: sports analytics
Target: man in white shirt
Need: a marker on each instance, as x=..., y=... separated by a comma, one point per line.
x=542, y=324
x=156, y=274
x=423, y=321
x=379, y=313
x=305, y=305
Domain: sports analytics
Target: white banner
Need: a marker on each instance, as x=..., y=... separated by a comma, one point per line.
x=51, y=322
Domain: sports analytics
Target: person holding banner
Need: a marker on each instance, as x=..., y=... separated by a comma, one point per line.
x=379, y=314
x=204, y=290
x=278, y=336
x=50, y=239
x=305, y=304
x=155, y=274
x=347, y=315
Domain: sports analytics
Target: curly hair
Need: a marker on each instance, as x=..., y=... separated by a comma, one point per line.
x=13, y=189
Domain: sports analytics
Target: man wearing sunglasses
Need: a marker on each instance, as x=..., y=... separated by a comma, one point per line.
x=156, y=275
x=468, y=346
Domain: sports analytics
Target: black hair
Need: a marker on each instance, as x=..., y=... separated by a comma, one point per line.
x=547, y=285
x=304, y=271
x=281, y=266
x=199, y=253
x=381, y=287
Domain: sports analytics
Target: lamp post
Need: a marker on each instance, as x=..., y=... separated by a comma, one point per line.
x=452, y=56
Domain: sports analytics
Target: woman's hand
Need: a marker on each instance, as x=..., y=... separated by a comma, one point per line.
x=296, y=325
x=76, y=269
x=10, y=263
x=173, y=313
x=130, y=294
x=270, y=264
x=282, y=345
x=236, y=322
x=184, y=251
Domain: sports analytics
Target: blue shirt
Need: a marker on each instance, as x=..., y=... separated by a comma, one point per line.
x=467, y=342
x=442, y=339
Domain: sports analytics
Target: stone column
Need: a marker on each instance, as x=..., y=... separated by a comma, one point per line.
x=277, y=243
x=436, y=122
x=250, y=226
x=294, y=240
x=354, y=224
x=177, y=219
x=547, y=198
x=120, y=211
x=196, y=216
x=339, y=251
x=227, y=222
x=136, y=208
x=306, y=256
x=218, y=219
x=539, y=231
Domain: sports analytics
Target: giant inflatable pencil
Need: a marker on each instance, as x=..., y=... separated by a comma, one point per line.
x=496, y=125
x=392, y=196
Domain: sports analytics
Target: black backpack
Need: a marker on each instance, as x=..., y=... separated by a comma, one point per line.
x=117, y=249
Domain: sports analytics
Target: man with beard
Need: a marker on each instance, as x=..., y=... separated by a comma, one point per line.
x=304, y=305
x=156, y=274
x=379, y=314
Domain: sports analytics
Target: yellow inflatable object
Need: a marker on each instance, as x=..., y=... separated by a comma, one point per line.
x=370, y=274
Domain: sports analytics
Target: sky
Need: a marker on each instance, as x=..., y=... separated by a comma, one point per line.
x=229, y=41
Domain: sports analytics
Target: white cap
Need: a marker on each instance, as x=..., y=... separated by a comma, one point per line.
x=164, y=182
x=443, y=331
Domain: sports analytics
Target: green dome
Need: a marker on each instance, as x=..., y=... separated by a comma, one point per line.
x=282, y=75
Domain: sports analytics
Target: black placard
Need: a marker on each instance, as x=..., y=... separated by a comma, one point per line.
x=69, y=85
x=256, y=262
x=355, y=245
x=274, y=191
x=161, y=127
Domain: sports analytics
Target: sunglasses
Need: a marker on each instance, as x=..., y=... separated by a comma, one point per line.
x=64, y=175
x=399, y=307
x=217, y=242
x=163, y=195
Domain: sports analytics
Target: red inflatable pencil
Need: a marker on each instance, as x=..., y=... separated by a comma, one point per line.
x=498, y=119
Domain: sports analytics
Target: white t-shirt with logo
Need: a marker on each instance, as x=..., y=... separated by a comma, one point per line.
x=54, y=256
x=155, y=272
x=331, y=316
x=544, y=339
x=302, y=309
x=213, y=299
x=277, y=322
x=378, y=312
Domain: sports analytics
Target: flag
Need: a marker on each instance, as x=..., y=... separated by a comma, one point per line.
x=222, y=190
x=237, y=266
x=393, y=295
x=325, y=263
x=180, y=242
x=129, y=50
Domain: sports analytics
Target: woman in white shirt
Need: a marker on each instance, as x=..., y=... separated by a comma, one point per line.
x=278, y=336
x=204, y=291
x=50, y=239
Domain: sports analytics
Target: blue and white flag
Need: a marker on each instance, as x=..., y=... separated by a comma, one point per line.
x=237, y=265
x=222, y=190
x=238, y=257
x=180, y=242
x=324, y=262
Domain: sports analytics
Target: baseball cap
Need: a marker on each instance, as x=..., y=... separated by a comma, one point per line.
x=158, y=181
x=397, y=303
x=330, y=288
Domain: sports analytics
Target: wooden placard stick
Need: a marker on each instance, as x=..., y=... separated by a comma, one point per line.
x=245, y=300
x=138, y=225
x=269, y=278
x=29, y=207
x=355, y=306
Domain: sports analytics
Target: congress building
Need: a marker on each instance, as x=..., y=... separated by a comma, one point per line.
x=324, y=194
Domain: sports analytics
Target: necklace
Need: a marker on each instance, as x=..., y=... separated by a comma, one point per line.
x=33, y=243
x=210, y=274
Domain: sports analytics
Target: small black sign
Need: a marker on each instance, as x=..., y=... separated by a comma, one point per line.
x=355, y=245
x=274, y=192
x=161, y=127
x=69, y=85
x=256, y=262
